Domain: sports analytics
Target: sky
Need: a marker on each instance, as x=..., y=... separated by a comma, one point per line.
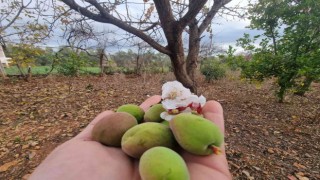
x=226, y=29
x=229, y=29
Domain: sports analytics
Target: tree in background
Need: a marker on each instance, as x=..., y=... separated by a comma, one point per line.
x=70, y=61
x=162, y=24
x=290, y=45
x=24, y=55
x=21, y=21
x=45, y=58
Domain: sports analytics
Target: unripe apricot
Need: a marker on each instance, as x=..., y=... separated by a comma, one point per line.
x=196, y=134
x=110, y=129
x=153, y=113
x=165, y=122
x=161, y=163
x=134, y=110
x=144, y=136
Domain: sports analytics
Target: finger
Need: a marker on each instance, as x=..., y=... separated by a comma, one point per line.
x=213, y=111
x=86, y=133
x=207, y=167
x=150, y=101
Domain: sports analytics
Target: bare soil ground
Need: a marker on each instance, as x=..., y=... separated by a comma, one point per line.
x=264, y=139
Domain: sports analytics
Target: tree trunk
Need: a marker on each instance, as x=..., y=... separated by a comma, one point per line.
x=281, y=94
x=2, y=71
x=194, y=48
x=54, y=62
x=52, y=67
x=20, y=70
x=178, y=60
x=179, y=70
x=102, y=63
x=138, y=66
x=301, y=90
x=285, y=82
x=29, y=76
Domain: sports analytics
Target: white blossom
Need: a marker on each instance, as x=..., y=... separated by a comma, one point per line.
x=174, y=90
x=178, y=99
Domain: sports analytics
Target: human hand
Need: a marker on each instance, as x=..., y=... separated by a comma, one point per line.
x=83, y=158
x=212, y=166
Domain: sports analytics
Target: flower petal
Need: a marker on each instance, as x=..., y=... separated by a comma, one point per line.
x=166, y=116
x=202, y=100
x=174, y=89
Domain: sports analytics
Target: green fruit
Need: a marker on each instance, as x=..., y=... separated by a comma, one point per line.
x=132, y=109
x=161, y=163
x=153, y=113
x=165, y=122
x=144, y=136
x=196, y=134
x=110, y=129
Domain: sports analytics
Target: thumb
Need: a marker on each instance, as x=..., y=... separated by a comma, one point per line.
x=213, y=111
x=150, y=101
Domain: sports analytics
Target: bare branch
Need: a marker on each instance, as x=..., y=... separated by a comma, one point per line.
x=105, y=17
x=166, y=17
x=16, y=16
x=151, y=27
x=194, y=7
x=213, y=11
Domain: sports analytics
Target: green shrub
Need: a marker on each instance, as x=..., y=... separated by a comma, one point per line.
x=212, y=69
x=110, y=70
x=71, y=64
x=235, y=62
x=128, y=70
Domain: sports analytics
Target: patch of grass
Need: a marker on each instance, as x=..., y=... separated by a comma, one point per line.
x=154, y=69
x=13, y=70
x=38, y=70
x=90, y=70
x=42, y=70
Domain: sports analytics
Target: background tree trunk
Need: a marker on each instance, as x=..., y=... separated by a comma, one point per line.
x=2, y=71
x=138, y=65
x=179, y=69
x=179, y=64
x=20, y=70
x=301, y=90
x=29, y=76
x=103, y=62
x=194, y=49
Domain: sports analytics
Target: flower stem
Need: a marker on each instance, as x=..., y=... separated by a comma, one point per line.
x=216, y=150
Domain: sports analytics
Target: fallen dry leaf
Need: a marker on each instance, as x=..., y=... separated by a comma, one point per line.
x=248, y=175
x=6, y=166
x=270, y=150
x=300, y=166
x=300, y=177
x=291, y=177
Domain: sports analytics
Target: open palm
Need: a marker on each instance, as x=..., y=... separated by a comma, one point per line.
x=82, y=158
